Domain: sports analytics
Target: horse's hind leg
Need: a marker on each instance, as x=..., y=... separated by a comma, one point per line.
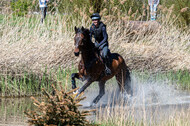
x=120, y=80
x=124, y=81
x=101, y=92
x=127, y=86
x=73, y=76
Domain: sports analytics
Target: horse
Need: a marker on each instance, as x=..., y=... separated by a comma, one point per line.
x=91, y=67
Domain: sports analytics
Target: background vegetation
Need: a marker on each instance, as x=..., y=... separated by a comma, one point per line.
x=180, y=8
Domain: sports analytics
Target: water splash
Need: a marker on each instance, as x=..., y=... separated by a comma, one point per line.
x=146, y=93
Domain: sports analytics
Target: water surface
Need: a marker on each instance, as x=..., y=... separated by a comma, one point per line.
x=151, y=99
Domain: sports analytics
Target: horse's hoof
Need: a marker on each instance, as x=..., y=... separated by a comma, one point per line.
x=76, y=92
x=93, y=105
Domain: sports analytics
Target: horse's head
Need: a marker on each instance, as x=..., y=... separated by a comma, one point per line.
x=81, y=38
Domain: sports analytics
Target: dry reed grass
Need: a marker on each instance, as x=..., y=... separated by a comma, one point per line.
x=127, y=115
x=144, y=45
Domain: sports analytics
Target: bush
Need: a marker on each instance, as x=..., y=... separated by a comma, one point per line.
x=60, y=109
x=20, y=7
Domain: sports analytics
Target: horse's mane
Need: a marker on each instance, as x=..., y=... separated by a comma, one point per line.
x=86, y=33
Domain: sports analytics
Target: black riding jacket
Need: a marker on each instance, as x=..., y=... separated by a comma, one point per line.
x=99, y=33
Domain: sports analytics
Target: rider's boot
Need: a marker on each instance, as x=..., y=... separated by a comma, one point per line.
x=107, y=65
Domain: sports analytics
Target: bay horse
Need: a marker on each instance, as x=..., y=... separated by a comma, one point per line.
x=91, y=67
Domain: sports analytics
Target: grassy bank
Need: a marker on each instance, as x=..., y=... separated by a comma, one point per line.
x=23, y=84
x=30, y=84
x=180, y=79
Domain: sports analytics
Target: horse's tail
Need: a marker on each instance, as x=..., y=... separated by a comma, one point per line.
x=124, y=79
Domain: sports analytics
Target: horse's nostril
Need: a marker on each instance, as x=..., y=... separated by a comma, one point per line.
x=76, y=53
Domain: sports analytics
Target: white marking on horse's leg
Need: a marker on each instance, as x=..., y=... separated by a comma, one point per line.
x=76, y=92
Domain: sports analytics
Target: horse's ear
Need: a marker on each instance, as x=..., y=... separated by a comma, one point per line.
x=82, y=28
x=76, y=29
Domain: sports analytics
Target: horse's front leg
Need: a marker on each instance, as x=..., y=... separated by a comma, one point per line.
x=86, y=84
x=73, y=76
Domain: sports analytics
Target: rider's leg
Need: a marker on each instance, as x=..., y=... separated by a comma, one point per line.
x=43, y=13
x=104, y=54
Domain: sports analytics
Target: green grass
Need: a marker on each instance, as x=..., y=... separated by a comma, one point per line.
x=29, y=83
x=1, y=18
x=116, y=8
x=180, y=77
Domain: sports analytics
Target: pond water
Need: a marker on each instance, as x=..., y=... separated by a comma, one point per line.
x=12, y=111
x=153, y=100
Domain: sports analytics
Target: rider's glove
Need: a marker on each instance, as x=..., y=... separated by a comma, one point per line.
x=96, y=45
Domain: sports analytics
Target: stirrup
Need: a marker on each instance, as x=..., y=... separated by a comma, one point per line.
x=107, y=71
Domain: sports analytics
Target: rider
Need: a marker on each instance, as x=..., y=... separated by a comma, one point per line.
x=43, y=8
x=98, y=31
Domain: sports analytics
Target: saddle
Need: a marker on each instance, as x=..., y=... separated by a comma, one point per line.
x=98, y=56
x=83, y=67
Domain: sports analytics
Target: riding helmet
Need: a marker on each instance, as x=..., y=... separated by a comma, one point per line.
x=95, y=16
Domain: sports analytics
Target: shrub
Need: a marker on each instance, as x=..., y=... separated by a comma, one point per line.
x=20, y=7
x=60, y=109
